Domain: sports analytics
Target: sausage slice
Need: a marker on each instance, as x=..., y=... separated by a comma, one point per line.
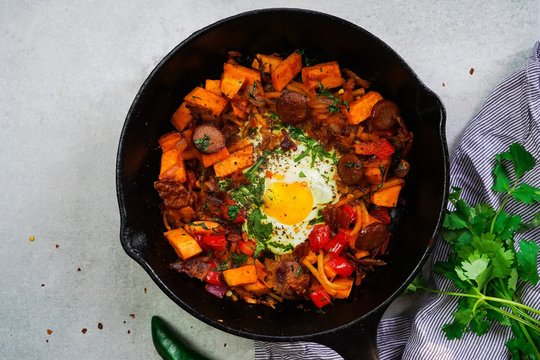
x=371, y=237
x=292, y=107
x=384, y=115
x=208, y=139
x=350, y=169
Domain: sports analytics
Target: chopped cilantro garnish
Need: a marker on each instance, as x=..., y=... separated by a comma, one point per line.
x=238, y=259
x=232, y=212
x=203, y=143
x=301, y=174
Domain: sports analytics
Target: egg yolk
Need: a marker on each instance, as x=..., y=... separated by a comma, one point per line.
x=288, y=203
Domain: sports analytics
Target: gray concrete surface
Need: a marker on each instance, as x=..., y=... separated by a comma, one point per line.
x=69, y=72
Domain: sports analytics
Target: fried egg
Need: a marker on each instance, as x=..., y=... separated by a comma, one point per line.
x=294, y=191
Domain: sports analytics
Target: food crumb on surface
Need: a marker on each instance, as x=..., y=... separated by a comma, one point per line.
x=56, y=246
x=100, y=326
x=132, y=316
x=42, y=285
x=32, y=238
x=84, y=330
x=471, y=71
x=124, y=321
x=145, y=290
x=49, y=331
x=443, y=84
x=224, y=344
x=78, y=269
x=47, y=341
x=129, y=331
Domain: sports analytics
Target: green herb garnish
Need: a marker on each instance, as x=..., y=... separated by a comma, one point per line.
x=238, y=259
x=301, y=174
x=336, y=100
x=232, y=212
x=280, y=246
x=202, y=143
x=259, y=229
x=313, y=148
x=484, y=264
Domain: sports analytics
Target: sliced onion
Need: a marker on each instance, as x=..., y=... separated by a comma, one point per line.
x=218, y=291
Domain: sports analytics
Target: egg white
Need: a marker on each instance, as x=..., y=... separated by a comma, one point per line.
x=320, y=180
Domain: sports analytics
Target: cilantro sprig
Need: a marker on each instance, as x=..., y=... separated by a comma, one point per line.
x=486, y=263
x=313, y=148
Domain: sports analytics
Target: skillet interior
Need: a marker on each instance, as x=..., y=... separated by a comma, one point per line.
x=200, y=57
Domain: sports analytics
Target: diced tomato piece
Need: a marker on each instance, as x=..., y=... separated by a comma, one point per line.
x=320, y=298
x=341, y=266
x=338, y=243
x=214, y=278
x=319, y=237
x=247, y=247
x=215, y=242
x=350, y=211
x=381, y=213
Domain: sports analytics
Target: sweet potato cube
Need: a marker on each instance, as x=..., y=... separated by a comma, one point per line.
x=268, y=62
x=168, y=141
x=203, y=227
x=239, y=107
x=183, y=244
x=257, y=288
x=343, y=294
x=234, y=77
x=386, y=197
x=237, y=161
x=207, y=100
x=328, y=74
x=182, y=117
x=213, y=86
x=239, y=145
x=172, y=166
x=241, y=276
x=360, y=109
x=373, y=175
x=286, y=71
x=211, y=159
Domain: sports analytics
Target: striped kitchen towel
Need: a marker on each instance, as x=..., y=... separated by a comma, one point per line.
x=510, y=114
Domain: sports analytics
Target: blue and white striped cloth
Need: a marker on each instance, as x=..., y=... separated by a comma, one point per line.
x=510, y=114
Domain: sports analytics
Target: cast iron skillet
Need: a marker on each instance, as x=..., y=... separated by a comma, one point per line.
x=348, y=326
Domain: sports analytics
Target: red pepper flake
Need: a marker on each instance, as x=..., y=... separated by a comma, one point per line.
x=84, y=330
x=132, y=316
x=471, y=71
x=100, y=326
x=49, y=331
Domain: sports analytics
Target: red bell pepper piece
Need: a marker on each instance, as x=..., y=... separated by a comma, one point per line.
x=214, y=278
x=320, y=298
x=319, y=237
x=247, y=247
x=337, y=244
x=350, y=211
x=341, y=266
x=240, y=215
x=214, y=242
x=381, y=148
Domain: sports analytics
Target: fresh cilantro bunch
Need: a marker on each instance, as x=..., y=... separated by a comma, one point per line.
x=487, y=264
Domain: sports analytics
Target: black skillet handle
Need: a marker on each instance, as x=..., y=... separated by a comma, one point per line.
x=357, y=341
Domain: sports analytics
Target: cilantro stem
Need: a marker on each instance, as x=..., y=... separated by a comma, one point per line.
x=515, y=317
x=503, y=204
x=485, y=298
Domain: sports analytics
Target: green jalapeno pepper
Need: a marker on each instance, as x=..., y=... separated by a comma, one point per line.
x=168, y=345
